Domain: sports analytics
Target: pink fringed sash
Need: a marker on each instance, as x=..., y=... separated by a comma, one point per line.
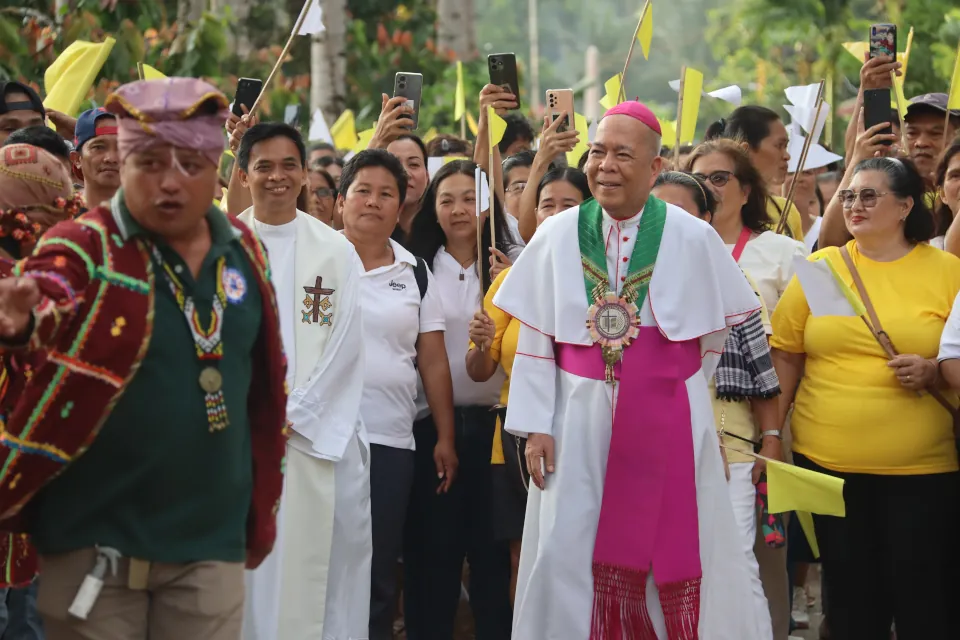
x=648, y=517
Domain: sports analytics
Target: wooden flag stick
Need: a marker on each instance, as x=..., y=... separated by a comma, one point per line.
x=283, y=55
x=140, y=70
x=463, y=125
x=679, y=127
x=636, y=33
x=803, y=159
x=900, y=109
x=493, y=227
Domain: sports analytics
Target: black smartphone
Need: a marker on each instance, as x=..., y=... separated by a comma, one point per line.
x=248, y=90
x=876, y=109
x=409, y=86
x=883, y=40
x=503, y=73
x=291, y=115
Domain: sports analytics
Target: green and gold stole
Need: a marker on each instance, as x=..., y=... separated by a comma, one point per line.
x=593, y=253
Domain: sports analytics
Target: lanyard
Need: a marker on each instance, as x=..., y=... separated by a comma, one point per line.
x=741, y=243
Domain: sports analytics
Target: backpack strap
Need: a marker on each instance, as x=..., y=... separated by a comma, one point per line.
x=420, y=273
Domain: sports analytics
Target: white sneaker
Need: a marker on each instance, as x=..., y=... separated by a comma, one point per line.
x=800, y=614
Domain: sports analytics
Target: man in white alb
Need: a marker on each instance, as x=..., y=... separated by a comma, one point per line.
x=625, y=304
x=316, y=583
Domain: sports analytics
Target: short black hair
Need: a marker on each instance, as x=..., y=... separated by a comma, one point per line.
x=522, y=159
x=320, y=145
x=576, y=177
x=269, y=131
x=444, y=144
x=749, y=123
x=904, y=180
x=369, y=158
x=518, y=128
x=327, y=161
x=415, y=139
x=42, y=137
x=702, y=196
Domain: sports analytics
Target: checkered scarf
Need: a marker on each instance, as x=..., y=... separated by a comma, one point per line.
x=746, y=369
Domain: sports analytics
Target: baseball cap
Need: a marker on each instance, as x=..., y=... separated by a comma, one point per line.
x=930, y=102
x=87, y=127
x=33, y=103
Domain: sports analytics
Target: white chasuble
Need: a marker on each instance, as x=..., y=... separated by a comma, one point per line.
x=315, y=585
x=695, y=293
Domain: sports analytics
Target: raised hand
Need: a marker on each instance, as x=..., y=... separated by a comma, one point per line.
x=18, y=297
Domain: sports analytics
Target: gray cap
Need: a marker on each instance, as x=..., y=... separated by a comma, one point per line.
x=930, y=102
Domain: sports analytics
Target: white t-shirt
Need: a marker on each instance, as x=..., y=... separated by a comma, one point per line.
x=462, y=299
x=393, y=318
x=514, y=225
x=950, y=338
x=938, y=242
x=813, y=234
x=281, y=244
x=768, y=258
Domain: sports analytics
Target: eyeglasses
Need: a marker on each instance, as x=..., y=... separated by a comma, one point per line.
x=717, y=178
x=516, y=187
x=324, y=193
x=868, y=197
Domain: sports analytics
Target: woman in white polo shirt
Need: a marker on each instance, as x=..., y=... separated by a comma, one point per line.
x=403, y=332
x=444, y=529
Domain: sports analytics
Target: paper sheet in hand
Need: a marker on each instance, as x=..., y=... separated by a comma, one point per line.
x=794, y=489
x=825, y=295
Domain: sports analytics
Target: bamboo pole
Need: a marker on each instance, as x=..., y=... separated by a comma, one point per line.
x=283, y=55
x=679, y=127
x=633, y=43
x=803, y=159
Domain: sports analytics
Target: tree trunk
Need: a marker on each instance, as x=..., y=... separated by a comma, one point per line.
x=238, y=39
x=328, y=62
x=456, y=30
x=189, y=11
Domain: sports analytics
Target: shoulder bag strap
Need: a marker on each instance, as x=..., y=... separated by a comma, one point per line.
x=877, y=330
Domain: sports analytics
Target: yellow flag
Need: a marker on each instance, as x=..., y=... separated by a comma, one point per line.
x=794, y=489
x=612, y=98
x=645, y=34
x=429, y=135
x=497, y=126
x=857, y=49
x=68, y=80
x=149, y=73
x=953, y=102
x=459, y=101
x=692, y=90
x=363, y=139
x=583, y=131
x=471, y=124
x=806, y=523
x=897, y=100
x=905, y=56
x=449, y=159
x=668, y=132
x=344, y=131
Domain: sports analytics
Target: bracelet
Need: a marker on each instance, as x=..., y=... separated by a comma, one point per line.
x=773, y=432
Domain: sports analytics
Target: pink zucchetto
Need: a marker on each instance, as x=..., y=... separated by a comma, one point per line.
x=636, y=110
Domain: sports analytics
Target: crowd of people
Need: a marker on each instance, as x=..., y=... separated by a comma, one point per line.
x=294, y=399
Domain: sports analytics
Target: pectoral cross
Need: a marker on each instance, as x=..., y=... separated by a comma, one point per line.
x=317, y=291
x=609, y=320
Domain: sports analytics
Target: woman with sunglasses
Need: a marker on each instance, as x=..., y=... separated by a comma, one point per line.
x=744, y=393
x=761, y=133
x=867, y=418
x=323, y=197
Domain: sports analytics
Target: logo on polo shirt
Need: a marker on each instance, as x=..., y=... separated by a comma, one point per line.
x=397, y=286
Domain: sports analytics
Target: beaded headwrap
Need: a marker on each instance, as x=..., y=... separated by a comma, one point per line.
x=36, y=192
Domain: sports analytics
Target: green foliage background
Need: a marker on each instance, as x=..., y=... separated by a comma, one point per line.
x=762, y=45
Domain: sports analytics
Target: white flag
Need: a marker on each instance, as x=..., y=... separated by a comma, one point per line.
x=824, y=296
x=483, y=191
x=804, y=116
x=731, y=94
x=313, y=23
x=319, y=129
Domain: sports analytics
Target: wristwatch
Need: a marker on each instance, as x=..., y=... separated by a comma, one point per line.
x=773, y=432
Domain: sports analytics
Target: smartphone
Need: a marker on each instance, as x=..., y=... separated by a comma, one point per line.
x=409, y=86
x=503, y=73
x=248, y=90
x=560, y=101
x=291, y=115
x=883, y=40
x=876, y=109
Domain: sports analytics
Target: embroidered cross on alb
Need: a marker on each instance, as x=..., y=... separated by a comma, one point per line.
x=317, y=291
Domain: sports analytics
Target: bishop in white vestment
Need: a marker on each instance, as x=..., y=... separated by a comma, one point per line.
x=625, y=304
x=315, y=585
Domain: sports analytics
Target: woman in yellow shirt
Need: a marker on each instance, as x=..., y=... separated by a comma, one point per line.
x=496, y=333
x=860, y=416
